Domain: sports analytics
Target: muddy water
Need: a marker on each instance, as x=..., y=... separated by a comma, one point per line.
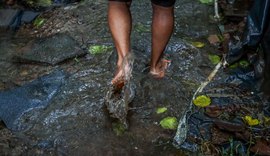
x=76, y=121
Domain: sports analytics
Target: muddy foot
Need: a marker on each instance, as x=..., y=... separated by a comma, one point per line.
x=160, y=71
x=123, y=73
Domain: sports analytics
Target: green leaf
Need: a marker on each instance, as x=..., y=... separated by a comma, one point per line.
x=38, y=22
x=243, y=63
x=215, y=59
x=98, y=49
x=266, y=121
x=118, y=128
x=198, y=44
x=139, y=27
x=202, y=101
x=250, y=121
x=44, y=3
x=169, y=123
x=161, y=110
x=206, y=1
x=233, y=66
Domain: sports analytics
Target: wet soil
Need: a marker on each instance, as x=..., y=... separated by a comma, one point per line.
x=76, y=121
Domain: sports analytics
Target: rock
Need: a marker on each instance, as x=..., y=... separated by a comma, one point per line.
x=7, y=17
x=50, y=50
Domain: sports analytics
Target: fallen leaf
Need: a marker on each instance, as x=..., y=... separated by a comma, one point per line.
x=213, y=39
x=233, y=66
x=243, y=63
x=98, y=49
x=198, y=44
x=118, y=128
x=266, y=121
x=206, y=1
x=250, y=121
x=38, y=22
x=142, y=28
x=161, y=110
x=262, y=147
x=169, y=123
x=202, y=101
x=215, y=59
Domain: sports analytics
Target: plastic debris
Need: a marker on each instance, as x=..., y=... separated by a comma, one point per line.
x=36, y=94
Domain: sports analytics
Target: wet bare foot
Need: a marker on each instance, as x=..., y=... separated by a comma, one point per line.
x=119, y=80
x=124, y=71
x=160, y=70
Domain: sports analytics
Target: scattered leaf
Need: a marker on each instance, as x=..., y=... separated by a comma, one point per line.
x=139, y=27
x=38, y=22
x=206, y=1
x=243, y=63
x=169, y=123
x=202, y=101
x=250, y=121
x=37, y=3
x=233, y=66
x=43, y=3
x=98, y=49
x=215, y=59
x=161, y=110
x=266, y=121
x=198, y=44
x=213, y=39
x=118, y=128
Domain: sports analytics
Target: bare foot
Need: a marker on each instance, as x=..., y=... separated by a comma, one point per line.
x=159, y=71
x=124, y=71
x=118, y=81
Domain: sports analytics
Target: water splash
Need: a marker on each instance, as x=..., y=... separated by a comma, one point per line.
x=118, y=97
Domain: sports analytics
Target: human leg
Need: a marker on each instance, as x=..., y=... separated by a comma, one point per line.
x=119, y=19
x=162, y=28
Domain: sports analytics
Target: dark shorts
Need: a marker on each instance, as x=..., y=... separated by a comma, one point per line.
x=164, y=3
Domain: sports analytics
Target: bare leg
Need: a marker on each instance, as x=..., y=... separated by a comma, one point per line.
x=119, y=19
x=162, y=28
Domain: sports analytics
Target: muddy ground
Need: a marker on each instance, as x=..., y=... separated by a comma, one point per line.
x=75, y=121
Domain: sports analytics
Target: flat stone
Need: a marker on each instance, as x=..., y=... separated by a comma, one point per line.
x=50, y=50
